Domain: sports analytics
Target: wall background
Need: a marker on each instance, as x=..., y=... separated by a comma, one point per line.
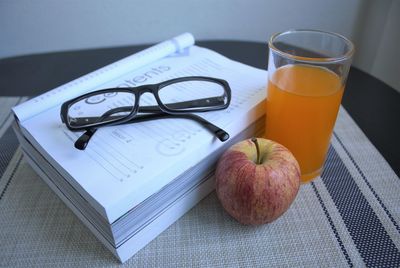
x=39, y=26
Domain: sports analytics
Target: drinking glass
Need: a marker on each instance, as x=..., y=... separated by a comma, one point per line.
x=307, y=72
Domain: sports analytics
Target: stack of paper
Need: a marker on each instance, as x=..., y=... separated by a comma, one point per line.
x=135, y=180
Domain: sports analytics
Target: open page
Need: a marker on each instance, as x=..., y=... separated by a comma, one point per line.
x=123, y=165
x=110, y=72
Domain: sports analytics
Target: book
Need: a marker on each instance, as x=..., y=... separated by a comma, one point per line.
x=134, y=180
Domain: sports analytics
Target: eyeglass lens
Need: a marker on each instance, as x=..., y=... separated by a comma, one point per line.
x=192, y=95
x=105, y=107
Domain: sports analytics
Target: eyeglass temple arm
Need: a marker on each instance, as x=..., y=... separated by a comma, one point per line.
x=221, y=134
x=206, y=102
x=84, y=139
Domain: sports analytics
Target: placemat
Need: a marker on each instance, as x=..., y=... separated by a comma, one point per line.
x=350, y=216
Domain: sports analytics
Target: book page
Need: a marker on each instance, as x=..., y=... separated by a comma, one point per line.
x=125, y=164
x=107, y=73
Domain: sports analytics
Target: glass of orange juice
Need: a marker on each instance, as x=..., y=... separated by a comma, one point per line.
x=307, y=72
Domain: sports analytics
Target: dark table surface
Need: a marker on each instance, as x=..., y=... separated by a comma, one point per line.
x=374, y=105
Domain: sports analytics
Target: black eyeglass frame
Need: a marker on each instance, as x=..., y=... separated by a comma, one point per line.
x=138, y=91
x=156, y=112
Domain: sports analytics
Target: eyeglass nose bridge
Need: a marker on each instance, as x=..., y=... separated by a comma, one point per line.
x=153, y=90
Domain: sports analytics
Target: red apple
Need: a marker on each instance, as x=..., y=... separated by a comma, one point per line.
x=257, y=180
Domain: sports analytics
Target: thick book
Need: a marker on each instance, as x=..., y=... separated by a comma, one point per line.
x=134, y=180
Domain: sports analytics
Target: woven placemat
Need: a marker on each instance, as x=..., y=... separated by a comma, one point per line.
x=348, y=217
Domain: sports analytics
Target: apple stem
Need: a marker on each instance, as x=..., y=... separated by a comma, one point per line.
x=258, y=150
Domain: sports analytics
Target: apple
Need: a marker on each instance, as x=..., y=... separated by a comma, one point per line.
x=257, y=180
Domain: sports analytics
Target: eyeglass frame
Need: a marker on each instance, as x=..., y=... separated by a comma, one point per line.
x=158, y=112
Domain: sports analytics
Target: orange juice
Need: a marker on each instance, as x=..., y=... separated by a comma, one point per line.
x=302, y=105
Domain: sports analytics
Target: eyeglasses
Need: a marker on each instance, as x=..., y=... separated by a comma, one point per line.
x=175, y=98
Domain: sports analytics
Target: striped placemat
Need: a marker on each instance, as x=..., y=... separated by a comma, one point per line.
x=348, y=217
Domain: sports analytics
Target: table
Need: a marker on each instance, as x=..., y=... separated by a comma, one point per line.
x=374, y=105
x=357, y=196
